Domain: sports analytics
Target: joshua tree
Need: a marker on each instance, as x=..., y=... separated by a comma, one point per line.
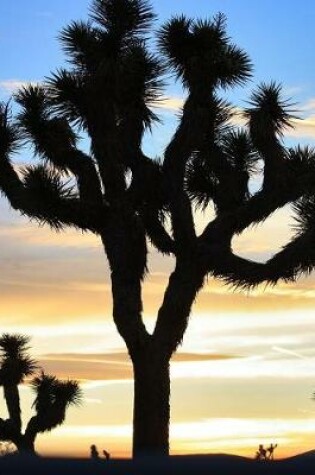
x=126, y=198
x=52, y=396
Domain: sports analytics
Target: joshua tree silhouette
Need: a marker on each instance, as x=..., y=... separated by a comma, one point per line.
x=52, y=396
x=118, y=193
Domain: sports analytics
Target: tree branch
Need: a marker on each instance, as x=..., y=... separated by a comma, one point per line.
x=148, y=196
x=108, y=154
x=7, y=431
x=157, y=232
x=12, y=399
x=183, y=286
x=235, y=270
x=82, y=166
x=297, y=257
x=188, y=138
x=257, y=209
x=125, y=245
x=32, y=429
x=54, y=140
x=267, y=117
x=57, y=213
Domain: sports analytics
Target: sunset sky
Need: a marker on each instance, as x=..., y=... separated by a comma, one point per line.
x=245, y=373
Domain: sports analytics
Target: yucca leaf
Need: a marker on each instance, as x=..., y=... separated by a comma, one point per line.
x=123, y=17
x=268, y=111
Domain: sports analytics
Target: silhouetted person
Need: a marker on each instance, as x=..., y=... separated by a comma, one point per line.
x=106, y=454
x=261, y=453
x=94, y=452
x=271, y=450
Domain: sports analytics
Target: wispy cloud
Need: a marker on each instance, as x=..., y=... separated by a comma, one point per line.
x=286, y=351
x=292, y=90
x=111, y=366
x=309, y=105
x=174, y=103
x=9, y=86
x=301, y=127
x=117, y=357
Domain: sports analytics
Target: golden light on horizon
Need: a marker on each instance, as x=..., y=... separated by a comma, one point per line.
x=238, y=436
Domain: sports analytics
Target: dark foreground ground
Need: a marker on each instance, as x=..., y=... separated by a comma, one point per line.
x=191, y=465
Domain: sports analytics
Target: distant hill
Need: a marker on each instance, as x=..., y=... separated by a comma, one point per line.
x=310, y=453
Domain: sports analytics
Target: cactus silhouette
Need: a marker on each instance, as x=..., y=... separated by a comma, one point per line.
x=52, y=396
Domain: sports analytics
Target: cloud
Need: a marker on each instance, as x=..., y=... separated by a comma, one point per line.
x=174, y=103
x=9, y=86
x=263, y=356
x=85, y=370
x=238, y=434
x=301, y=128
x=118, y=358
x=286, y=351
x=309, y=105
x=51, y=283
x=114, y=366
x=188, y=357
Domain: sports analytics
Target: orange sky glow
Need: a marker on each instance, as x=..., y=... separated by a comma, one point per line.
x=244, y=375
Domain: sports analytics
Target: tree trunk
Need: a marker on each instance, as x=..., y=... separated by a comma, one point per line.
x=151, y=415
x=12, y=398
x=26, y=446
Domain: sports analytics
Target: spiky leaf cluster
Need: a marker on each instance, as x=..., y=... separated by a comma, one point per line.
x=201, y=53
x=113, y=71
x=305, y=214
x=52, y=398
x=268, y=112
x=200, y=183
x=301, y=159
x=15, y=363
x=123, y=18
x=42, y=181
x=9, y=133
x=52, y=137
x=239, y=151
x=52, y=395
